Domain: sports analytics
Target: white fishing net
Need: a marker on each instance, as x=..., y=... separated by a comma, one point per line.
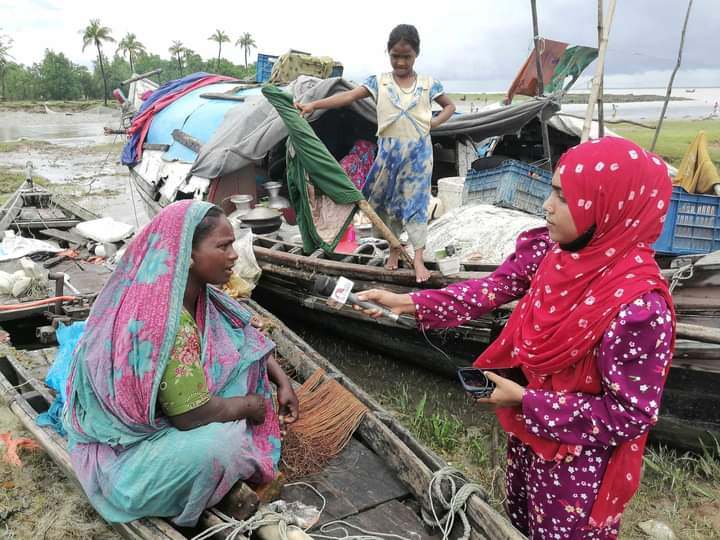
x=480, y=233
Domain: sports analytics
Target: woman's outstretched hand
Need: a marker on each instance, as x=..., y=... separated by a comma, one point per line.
x=507, y=393
x=397, y=303
x=306, y=109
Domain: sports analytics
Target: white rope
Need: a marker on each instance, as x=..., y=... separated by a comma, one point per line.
x=339, y=526
x=450, y=478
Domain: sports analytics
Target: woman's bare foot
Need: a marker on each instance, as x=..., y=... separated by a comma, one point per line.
x=240, y=502
x=421, y=272
x=393, y=259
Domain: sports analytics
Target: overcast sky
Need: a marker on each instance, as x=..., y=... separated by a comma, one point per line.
x=480, y=40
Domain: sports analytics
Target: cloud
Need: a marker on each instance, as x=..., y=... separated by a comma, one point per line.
x=481, y=41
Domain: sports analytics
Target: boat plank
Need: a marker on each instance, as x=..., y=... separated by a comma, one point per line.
x=68, y=236
x=73, y=208
x=351, y=483
x=392, y=517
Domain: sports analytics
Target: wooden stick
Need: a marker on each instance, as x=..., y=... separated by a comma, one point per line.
x=696, y=332
x=598, y=72
x=540, y=82
x=384, y=230
x=672, y=78
x=601, y=112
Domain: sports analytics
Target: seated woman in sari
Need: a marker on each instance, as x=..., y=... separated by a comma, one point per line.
x=169, y=399
x=593, y=335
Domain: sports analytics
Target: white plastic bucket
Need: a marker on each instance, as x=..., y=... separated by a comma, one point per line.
x=449, y=265
x=450, y=191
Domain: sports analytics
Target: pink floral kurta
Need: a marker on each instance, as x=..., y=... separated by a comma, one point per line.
x=546, y=499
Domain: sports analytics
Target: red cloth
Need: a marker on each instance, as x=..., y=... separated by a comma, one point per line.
x=525, y=82
x=142, y=122
x=553, y=333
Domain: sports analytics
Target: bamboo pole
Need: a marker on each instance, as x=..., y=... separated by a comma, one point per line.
x=672, y=78
x=540, y=82
x=607, y=23
x=601, y=111
x=384, y=230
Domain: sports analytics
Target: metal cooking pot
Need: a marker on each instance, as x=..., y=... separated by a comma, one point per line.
x=262, y=220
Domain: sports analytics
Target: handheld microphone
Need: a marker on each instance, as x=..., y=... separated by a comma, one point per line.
x=326, y=286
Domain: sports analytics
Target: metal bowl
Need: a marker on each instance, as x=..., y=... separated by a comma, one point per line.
x=260, y=213
x=262, y=220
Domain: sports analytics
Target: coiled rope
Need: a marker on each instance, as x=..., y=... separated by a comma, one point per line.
x=453, y=505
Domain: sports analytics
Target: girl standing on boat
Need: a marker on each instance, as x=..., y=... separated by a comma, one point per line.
x=398, y=185
x=593, y=335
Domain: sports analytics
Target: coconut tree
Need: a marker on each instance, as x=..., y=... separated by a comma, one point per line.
x=5, y=57
x=177, y=49
x=131, y=47
x=219, y=37
x=247, y=42
x=95, y=33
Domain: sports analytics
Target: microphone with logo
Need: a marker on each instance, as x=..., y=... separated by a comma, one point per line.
x=340, y=292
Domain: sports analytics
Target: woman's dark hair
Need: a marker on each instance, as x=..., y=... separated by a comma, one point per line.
x=207, y=224
x=580, y=242
x=407, y=33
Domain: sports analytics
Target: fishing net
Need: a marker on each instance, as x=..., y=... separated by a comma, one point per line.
x=329, y=415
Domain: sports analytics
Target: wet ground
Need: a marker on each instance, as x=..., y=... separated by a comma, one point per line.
x=71, y=152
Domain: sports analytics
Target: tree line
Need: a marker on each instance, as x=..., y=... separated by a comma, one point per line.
x=56, y=77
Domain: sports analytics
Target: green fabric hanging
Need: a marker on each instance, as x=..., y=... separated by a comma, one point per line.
x=572, y=63
x=308, y=160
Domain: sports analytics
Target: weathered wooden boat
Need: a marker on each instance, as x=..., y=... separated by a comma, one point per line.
x=74, y=275
x=379, y=482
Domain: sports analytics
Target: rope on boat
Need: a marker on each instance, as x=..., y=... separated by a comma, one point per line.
x=235, y=529
x=452, y=506
x=683, y=273
x=459, y=489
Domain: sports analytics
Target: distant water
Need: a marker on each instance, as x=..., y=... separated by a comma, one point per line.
x=701, y=104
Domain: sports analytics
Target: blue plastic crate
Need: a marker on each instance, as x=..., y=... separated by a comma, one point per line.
x=263, y=67
x=692, y=224
x=337, y=70
x=512, y=184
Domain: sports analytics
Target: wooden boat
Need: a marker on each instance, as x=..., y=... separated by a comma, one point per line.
x=35, y=212
x=379, y=481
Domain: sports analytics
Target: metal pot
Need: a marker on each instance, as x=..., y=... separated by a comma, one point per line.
x=262, y=220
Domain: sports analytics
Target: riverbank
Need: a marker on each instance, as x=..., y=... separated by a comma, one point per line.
x=675, y=137
x=492, y=97
x=55, y=106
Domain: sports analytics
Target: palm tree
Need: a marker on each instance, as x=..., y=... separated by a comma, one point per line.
x=95, y=33
x=130, y=46
x=247, y=42
x=219, y=37
x=5, y=57
x=177, y=49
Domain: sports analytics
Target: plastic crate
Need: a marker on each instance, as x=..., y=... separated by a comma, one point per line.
x=512, y=184
x=692, y=224
x=337, y=70
x=263, y=67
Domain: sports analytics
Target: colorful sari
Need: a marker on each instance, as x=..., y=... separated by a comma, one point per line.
x=130, y=460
